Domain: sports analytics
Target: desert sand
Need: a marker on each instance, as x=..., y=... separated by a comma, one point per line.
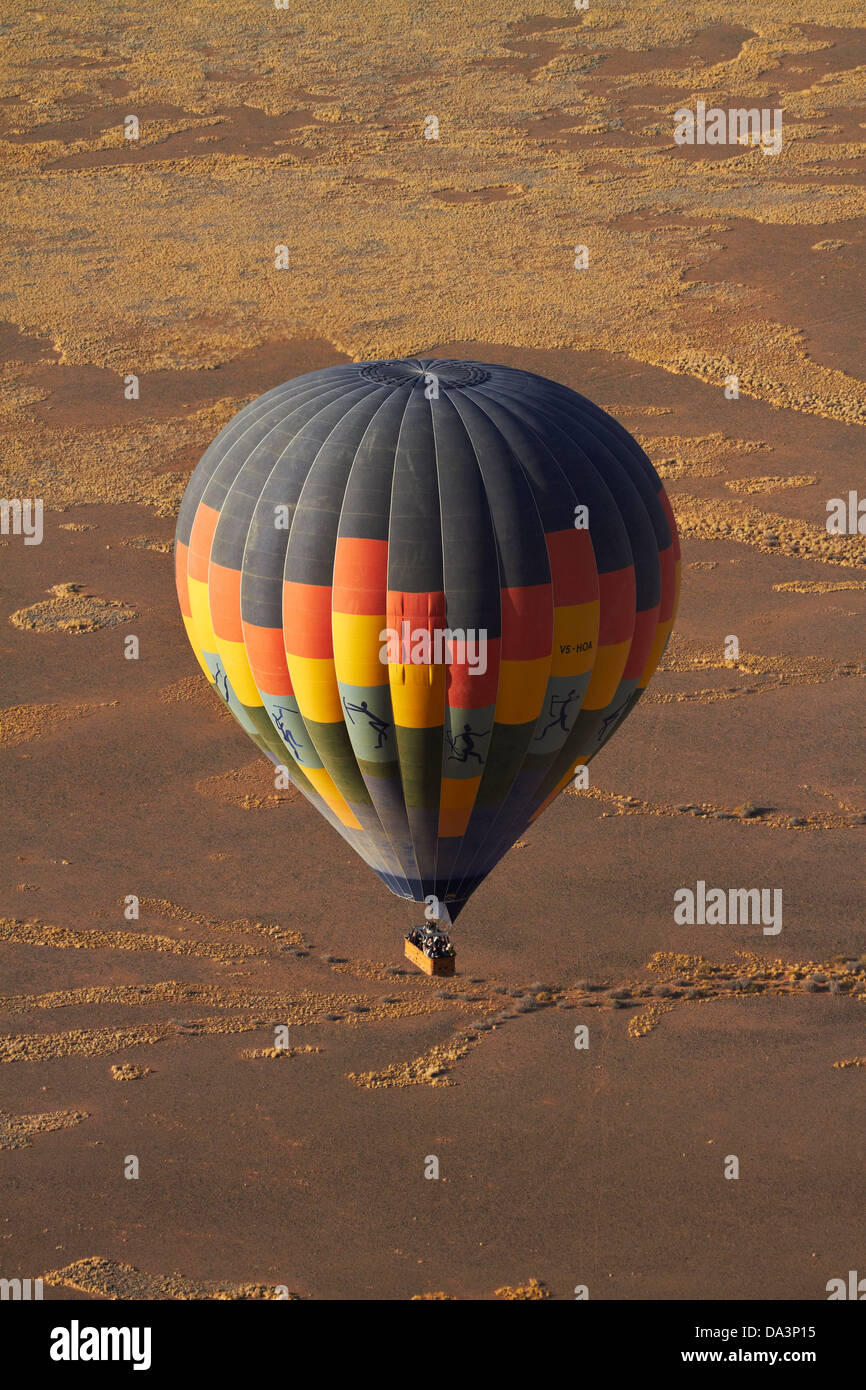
x=303, y=1169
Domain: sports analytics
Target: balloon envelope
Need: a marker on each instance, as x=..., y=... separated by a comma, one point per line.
x=431, y=590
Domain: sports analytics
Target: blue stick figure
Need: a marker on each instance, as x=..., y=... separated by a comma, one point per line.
x=220, y=675
x=612, y=719
x=468, y=750
x=558, y=719
x=379, y=726
x=280, y=713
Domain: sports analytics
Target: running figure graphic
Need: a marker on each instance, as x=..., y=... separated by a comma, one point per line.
x=468, y=750
x=279, y=714
x=558, y=719
x=612, y=719
x=220, y=675
x=379, y=726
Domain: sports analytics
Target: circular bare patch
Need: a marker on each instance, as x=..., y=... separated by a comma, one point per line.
x=71, y=611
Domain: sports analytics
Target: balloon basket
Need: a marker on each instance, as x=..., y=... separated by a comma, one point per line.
x=431, y=965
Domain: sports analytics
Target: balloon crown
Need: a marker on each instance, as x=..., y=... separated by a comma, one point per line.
x=414, y=371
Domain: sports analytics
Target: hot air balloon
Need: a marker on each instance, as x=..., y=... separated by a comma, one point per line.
x=430, y=590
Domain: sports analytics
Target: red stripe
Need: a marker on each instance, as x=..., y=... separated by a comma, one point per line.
x=422, y=610
x=307, y=619
x=465, y=691
x=669, y=584
x=181, y=553
x=224, y=592
x=267, y=657
x=617, y=601
x=527, y=622
x=572, y=567
x=200, y=541
x=645, y=625
x=360, y=575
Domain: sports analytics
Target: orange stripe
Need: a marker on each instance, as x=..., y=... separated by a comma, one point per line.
x=360, y=575
x=200, y=541
x=465, y=691
x=224, y=589
x=307, y=619
x=645, y=625
x=181, y=553
x=527, y=622
x=423, y=610
x=267, y=657
x=617, y=599
x=572, y=567
x=669, y=584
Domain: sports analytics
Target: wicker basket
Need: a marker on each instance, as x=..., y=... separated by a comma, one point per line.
x=431, y=965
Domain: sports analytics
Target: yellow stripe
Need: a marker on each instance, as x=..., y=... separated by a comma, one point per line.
x=456, y=799
x=193, y=642
x=324, y=785
x=417, y=695
x=357, y=647
x=199, y=603
x=237, y=668
x=573, y=627
x=458, y=791
x=606, y=675
x=315, y=687
x=521, y=691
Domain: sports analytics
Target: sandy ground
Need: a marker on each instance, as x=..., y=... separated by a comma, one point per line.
x=558, y=1167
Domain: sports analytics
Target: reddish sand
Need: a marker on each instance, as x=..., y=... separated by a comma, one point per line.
x=602, y=1167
